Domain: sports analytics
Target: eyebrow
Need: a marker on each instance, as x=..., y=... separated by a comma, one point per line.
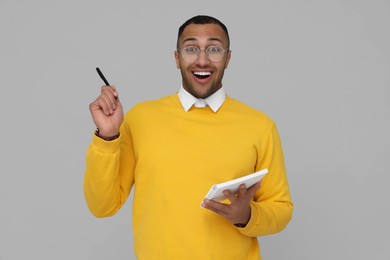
x=209, y=40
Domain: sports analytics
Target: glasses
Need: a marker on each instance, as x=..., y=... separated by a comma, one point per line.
x=213, y=53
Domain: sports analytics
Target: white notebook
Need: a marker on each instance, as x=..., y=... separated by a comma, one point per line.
x=216, y=191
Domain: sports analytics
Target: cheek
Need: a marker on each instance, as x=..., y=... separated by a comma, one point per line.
x=180, y=64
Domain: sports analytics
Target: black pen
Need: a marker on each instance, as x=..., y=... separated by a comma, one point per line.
x=102, y=77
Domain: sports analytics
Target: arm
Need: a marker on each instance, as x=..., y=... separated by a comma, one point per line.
x=271, y=207
x=270, y=210
x=109, y=174
x=109, y=164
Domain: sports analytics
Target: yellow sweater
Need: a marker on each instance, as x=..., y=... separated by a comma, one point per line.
x=172, y=158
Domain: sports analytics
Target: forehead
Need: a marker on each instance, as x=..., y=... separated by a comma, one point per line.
x=203, y=33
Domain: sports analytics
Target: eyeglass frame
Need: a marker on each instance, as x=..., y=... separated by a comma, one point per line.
x=205, y=50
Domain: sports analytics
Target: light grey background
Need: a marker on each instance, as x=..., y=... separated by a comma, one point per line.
x=320, y=69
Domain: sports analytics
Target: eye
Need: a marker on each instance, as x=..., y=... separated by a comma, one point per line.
x=214, y=49
x=191, y=49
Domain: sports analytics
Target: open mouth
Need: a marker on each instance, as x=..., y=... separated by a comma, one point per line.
x=202, y=74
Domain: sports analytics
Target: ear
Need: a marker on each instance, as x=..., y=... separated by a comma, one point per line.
x=177, y=59
x=228, y=56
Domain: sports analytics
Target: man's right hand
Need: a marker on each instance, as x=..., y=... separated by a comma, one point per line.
x=107, y=112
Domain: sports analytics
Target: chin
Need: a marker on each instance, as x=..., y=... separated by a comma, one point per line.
x=202, y=94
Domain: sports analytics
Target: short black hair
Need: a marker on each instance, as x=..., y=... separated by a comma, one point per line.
x=202, y=19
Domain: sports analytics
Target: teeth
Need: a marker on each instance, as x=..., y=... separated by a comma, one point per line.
x=202, y=73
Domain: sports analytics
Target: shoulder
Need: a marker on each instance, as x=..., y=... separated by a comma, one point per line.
x=151, y=106
x=163, y=101
x=250, y=113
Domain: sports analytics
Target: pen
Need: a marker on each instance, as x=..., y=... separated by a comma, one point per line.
x=102, y=77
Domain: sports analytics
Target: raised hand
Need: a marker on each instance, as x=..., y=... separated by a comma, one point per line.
x=107, y=112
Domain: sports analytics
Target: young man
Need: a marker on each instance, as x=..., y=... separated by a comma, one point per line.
x=173, y=149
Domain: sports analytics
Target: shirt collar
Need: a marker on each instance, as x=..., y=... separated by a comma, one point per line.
x=214, y=101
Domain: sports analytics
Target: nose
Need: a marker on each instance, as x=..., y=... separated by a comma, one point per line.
x=202, y=59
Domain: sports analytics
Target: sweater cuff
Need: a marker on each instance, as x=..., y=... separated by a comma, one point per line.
x=253, y=221
x=102, y=146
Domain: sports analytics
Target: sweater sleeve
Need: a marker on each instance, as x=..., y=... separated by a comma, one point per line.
x=271, y=208
x=109, y=173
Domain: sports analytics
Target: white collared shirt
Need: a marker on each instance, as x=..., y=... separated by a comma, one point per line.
x=214, y=101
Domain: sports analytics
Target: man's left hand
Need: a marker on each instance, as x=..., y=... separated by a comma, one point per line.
x=239, y=211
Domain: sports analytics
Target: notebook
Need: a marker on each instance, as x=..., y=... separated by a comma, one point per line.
x=216, y=191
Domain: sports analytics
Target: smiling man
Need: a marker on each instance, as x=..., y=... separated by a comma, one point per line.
x=202, y=56
x=174, y=148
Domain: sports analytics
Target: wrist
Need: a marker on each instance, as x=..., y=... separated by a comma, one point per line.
x=239, y=225
x=245, y=220
x=106, y=137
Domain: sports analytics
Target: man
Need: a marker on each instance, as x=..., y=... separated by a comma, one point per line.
x=173, y=149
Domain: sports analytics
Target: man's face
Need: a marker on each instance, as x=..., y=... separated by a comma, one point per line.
x=202, y=36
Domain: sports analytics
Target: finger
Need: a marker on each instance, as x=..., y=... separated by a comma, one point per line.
x=105, y=101
x=215, y=206
x=98, y=104
x=110, y=101
x=230, y=195
x=252, y=190
x=115, y=92
x=242, y=191
x=106, y=104
x=110, y=97
x=101, y=104
x=111, y=89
